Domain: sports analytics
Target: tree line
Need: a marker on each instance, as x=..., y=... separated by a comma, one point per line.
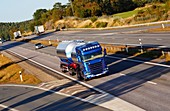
x=77, y=8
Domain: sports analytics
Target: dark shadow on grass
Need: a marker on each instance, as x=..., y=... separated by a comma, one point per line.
x=11, y=63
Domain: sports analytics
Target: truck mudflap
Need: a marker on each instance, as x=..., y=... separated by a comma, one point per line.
x=96, y=75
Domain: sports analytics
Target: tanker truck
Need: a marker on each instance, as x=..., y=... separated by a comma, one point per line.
x=84, y=59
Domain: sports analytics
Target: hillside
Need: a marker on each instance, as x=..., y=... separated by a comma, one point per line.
x=149, y=13
x=91, y=14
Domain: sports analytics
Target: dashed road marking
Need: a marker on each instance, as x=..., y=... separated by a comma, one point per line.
x=150, y=82
x=140, y=61
x=75, y=92
x=122, y=74
x=6, y=107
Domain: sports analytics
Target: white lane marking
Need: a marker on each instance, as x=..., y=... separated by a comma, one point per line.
x=77, y=91
x=51, y=87
x=150, y=82
x=139, y=61
x=42, y=84
x=6, y=107
x=112, y=99
x=62, y=90
x=122, y=74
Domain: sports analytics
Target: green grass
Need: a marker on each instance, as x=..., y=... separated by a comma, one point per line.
x=126, y=14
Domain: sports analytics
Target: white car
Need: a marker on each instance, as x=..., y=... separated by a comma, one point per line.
x=38, y=46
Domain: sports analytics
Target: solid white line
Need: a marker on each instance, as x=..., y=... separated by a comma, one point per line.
x=150, y=82
x=139, y=61
x=6, y=107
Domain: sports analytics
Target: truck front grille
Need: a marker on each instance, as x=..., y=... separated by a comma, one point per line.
x=96, y=68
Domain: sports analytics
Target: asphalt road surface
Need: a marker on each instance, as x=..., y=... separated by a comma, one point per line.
x=122, y=36
x=27, y=98
x=144, y=85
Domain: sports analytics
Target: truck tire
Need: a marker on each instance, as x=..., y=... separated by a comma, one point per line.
x=79, y=76
x=62, y=69
x=71, y=72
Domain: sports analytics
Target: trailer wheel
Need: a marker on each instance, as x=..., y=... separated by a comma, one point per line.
x=62, y=69
x=71, y=72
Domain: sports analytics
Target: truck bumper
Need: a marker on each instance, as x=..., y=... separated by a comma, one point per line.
x=96, y=75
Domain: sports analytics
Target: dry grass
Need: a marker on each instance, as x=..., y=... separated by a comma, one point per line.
x=9, y=73
x=166, y=29
x=152, y=53
x=167, y=57
x=46, y=42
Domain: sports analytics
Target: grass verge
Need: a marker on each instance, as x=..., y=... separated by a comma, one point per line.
x=9, y=73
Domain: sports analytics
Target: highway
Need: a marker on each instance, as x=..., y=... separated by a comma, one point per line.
x=29, y=98
x=123, y=36
x=143, y=85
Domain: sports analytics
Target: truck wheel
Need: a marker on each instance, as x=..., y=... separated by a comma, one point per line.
x=62, y=69
x=79, y=76
x=83, y=77
x=71, y=72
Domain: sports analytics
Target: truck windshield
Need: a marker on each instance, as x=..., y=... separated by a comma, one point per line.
x=92, y=56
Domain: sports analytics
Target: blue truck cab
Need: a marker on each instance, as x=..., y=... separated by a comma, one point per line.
x=85, y=59
x=91, y=60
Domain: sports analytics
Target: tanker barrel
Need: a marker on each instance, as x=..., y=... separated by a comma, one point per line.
x=64, y=49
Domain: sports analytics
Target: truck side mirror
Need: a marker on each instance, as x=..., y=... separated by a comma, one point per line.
x=79, y=59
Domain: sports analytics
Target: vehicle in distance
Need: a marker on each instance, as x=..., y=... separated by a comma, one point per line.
x=39, y=45
x=39, y=29
x=85, y=59
x=17, y=34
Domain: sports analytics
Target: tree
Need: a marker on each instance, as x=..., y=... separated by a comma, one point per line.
x=38, y=13
x=57, y=5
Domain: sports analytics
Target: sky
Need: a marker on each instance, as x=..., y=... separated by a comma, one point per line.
x=22, y=10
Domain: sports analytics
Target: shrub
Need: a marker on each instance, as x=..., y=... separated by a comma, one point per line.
x=93, y=19
x=101, y=24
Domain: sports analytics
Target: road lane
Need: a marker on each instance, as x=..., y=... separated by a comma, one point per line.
x=46, y=61
x=27, y=98
x=132, y=87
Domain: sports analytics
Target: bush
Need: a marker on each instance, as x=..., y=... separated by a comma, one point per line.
x=93, y=19
x=101, y=24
